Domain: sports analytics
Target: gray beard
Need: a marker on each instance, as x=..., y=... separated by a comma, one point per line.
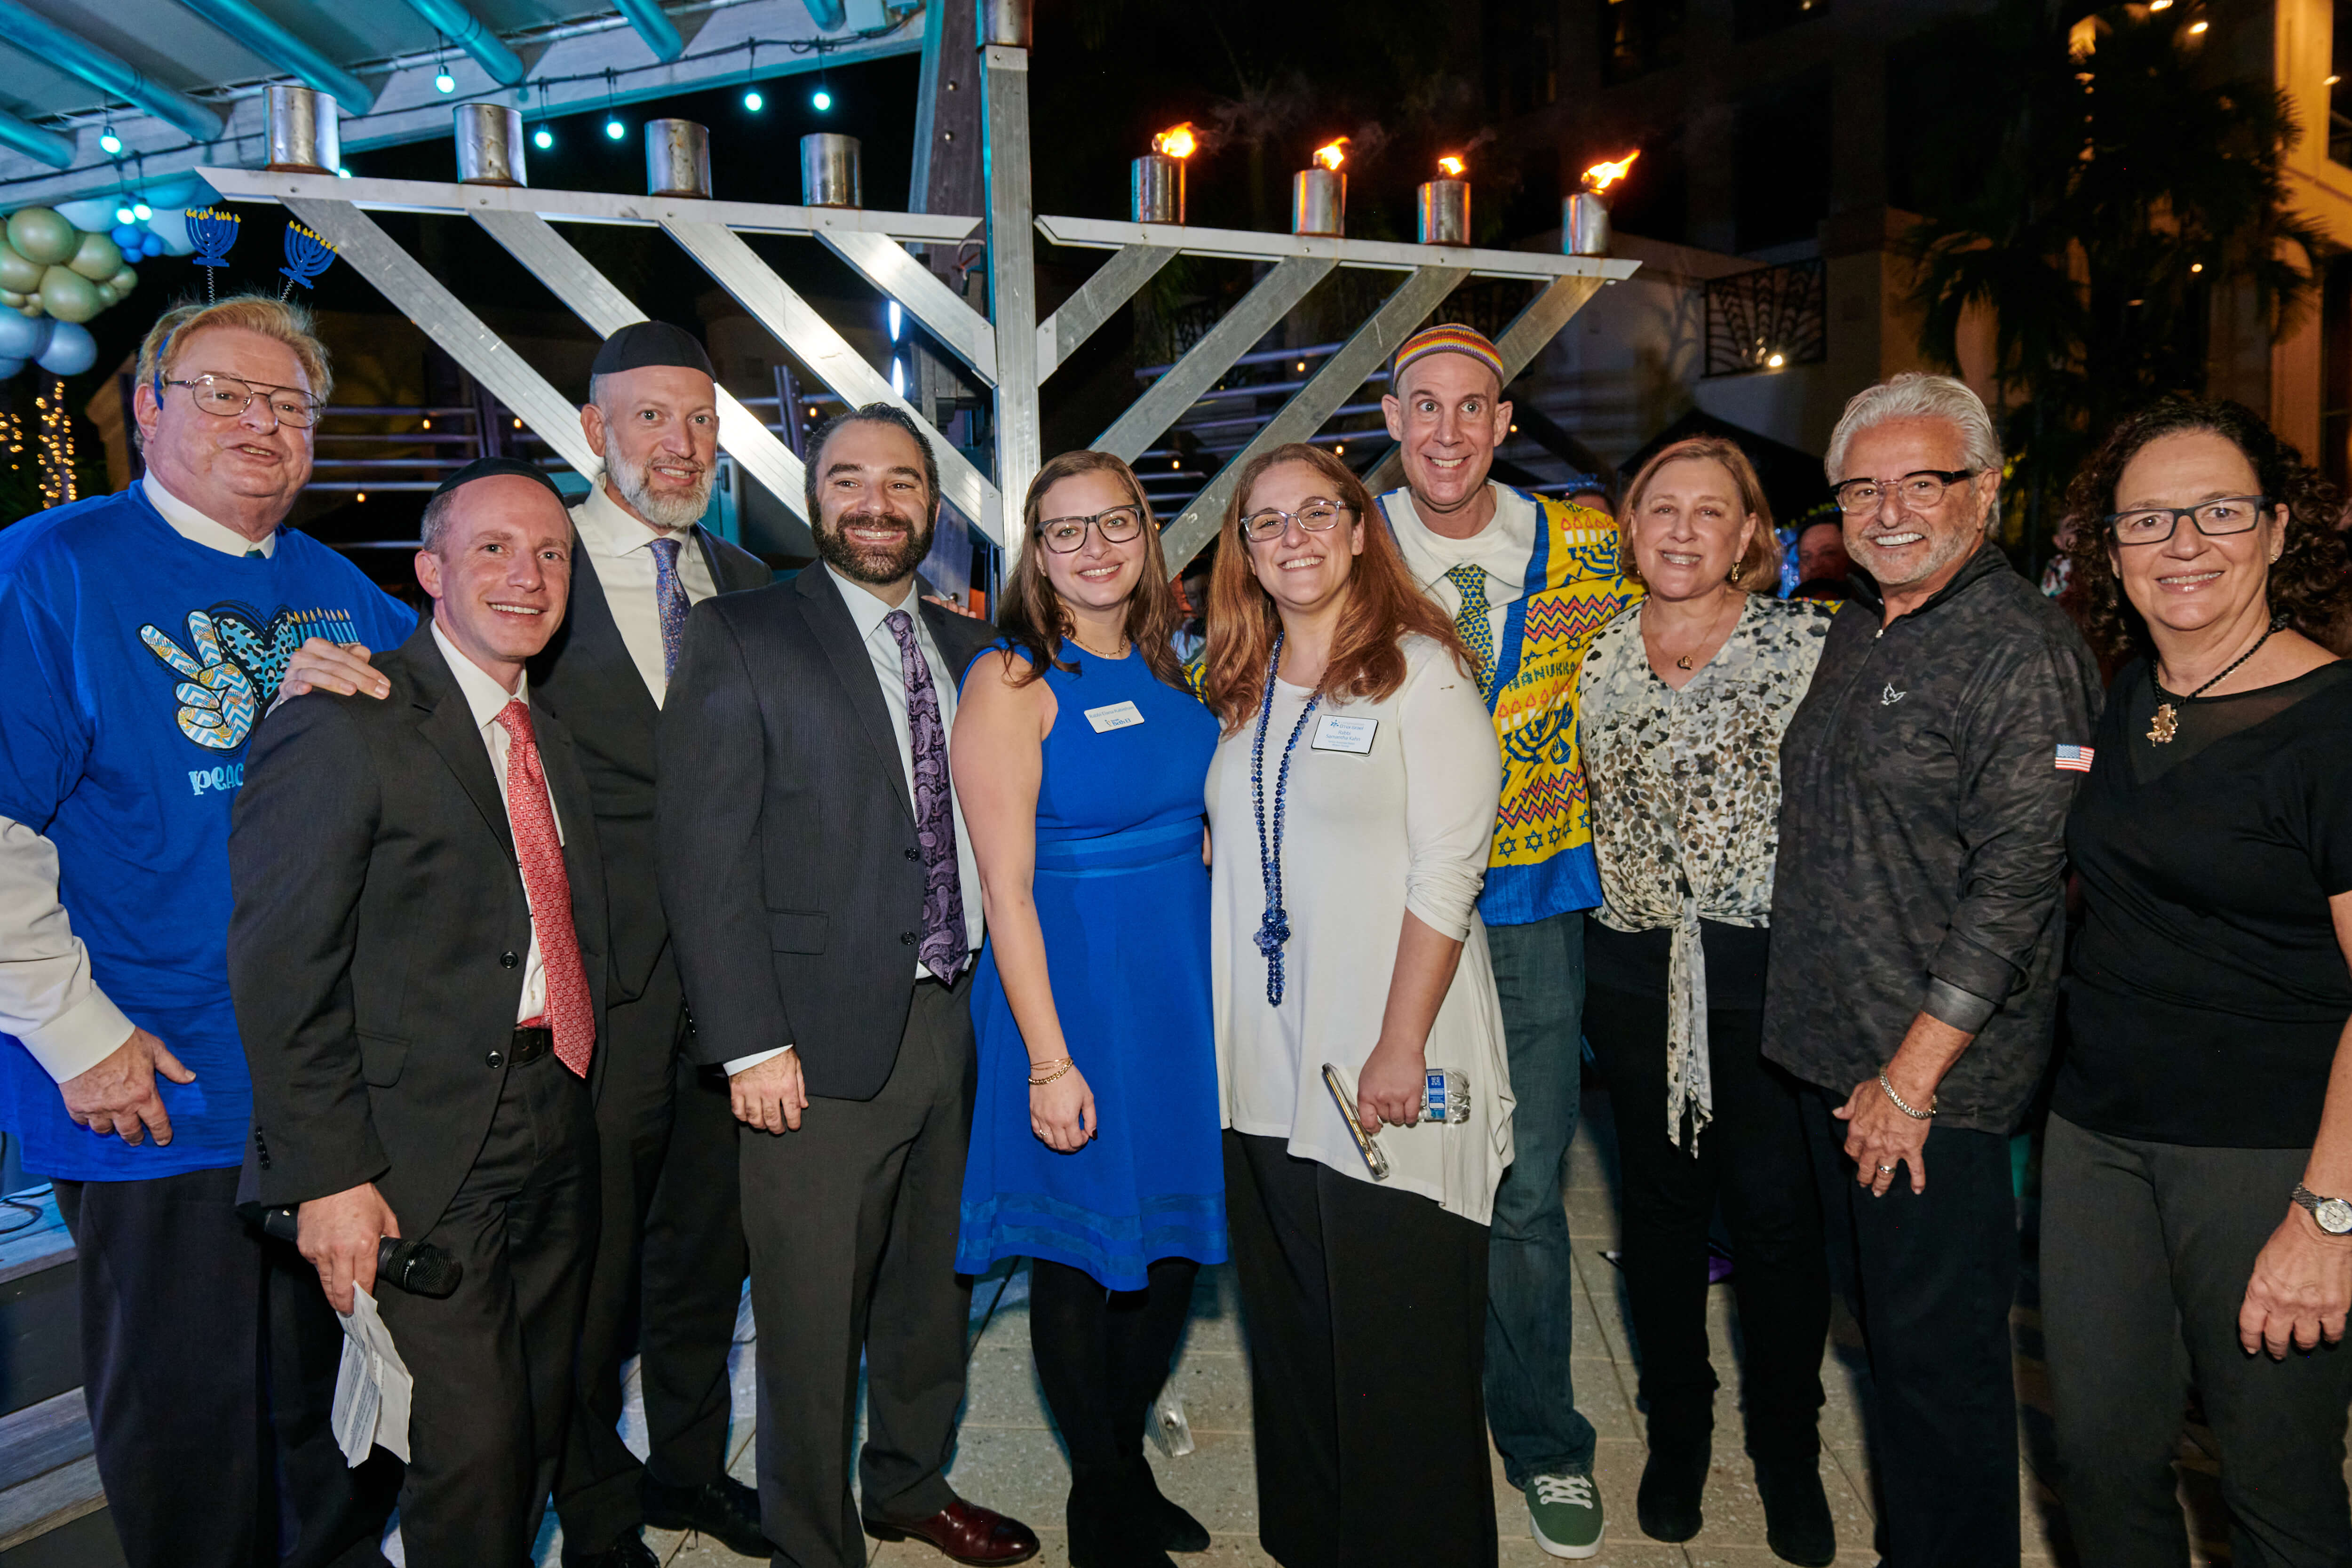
x=667, y=512
x=1948, y=549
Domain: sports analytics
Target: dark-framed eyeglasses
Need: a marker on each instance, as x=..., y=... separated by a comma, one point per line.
x=1114, y=525
x=229, y=397
x=1316, y=515
x=1919, y=490
x=2213, y=519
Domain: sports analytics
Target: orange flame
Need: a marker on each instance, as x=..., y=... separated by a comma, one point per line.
x=1331, y=154
x=1601, y=176
x=1176, y=142
x=1450, y=167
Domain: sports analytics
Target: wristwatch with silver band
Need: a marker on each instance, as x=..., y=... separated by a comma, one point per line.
x=2333, y=1215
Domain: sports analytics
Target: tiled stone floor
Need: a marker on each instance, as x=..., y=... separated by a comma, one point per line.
x=1009, y=1458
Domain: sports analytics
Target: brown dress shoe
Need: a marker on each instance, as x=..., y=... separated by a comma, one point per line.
x=966, y=1532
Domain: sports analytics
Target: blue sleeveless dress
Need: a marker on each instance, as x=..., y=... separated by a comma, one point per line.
x=1123, y=901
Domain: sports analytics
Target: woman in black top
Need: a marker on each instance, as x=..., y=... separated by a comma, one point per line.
x=2206, y=1095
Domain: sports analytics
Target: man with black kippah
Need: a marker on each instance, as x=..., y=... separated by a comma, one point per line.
x=417, y=956
x=670, y=1255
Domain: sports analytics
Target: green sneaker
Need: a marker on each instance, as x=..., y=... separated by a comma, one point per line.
x=1564, y=1512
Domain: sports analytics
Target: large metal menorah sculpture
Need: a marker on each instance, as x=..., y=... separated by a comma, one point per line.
x=1007, y=349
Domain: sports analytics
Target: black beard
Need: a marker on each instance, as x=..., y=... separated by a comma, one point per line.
x=833, y=548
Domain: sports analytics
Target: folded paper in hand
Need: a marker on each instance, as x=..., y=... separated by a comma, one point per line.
x=372, y=1389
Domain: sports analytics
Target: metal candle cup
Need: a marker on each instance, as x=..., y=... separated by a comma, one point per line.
x=1444, y=212
x=304, y=135
x=830, y=177
x=677, y=158
x=1318, y=201
x=1158, y=188
x=489, y=146
x=1585, y=224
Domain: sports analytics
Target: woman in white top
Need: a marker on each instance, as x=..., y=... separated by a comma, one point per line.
x=1350, y=802
x=1684, y=700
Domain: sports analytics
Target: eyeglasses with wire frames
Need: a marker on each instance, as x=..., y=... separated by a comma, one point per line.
x=1113, y=525
x=1918, y=489
x=2213, y=519
x=1315, y=515
x=228, y=398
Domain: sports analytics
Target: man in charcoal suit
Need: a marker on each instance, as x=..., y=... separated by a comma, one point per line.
x=670, y=1265
x=825, y=905
x=417, y=956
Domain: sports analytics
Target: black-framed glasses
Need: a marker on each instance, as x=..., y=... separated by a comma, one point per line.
x=229, y=397
x=1918, y=489
x=2213, y=519
x=1115, y=525
x=1316, y=515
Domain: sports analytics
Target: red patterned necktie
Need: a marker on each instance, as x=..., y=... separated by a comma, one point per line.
x=568, y=1012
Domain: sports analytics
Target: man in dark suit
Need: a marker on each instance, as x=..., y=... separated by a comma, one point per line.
x=417, y=956
x=825, y=906
x=670, y=1263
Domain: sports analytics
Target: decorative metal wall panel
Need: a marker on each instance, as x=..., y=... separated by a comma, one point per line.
x=1767, y=317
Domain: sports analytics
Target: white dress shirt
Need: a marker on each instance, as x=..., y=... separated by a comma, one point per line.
x=870, y=613
x=48, y=999
x=622, y=549
x=197, y=529
x=1503, y=548
x=487, y=700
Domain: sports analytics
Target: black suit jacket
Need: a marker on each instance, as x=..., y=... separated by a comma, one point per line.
x=585, y=677
x=786, y=832
x=375, y=951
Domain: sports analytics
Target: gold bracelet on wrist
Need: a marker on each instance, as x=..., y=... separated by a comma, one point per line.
x=1061, y=1066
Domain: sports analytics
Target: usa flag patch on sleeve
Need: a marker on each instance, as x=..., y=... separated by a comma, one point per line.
x=2075, y=759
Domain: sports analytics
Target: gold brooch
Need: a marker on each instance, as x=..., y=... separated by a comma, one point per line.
x=2166, y=725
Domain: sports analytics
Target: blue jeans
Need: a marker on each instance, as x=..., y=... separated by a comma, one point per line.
x=1530, y=1271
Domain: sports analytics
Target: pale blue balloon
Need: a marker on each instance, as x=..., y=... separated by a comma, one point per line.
x=9, y=368
x=71, y=349
x=23, y=337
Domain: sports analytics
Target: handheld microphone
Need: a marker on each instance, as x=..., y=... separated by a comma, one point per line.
x=418, y=1267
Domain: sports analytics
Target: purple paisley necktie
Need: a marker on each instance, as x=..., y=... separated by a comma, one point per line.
x=945, y=943
x=669, y=602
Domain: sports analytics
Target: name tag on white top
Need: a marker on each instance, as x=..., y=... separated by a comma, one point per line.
x=1118, y=716
x=1334, y=733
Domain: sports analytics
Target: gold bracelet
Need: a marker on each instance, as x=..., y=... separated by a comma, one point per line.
x=1061, y=1066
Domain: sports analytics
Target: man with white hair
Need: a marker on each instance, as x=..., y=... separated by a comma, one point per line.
x=1915, y=941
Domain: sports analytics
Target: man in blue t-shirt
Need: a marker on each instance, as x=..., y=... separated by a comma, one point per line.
x=143, y=634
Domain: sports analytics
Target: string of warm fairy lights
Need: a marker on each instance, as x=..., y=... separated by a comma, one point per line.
x=56, y=443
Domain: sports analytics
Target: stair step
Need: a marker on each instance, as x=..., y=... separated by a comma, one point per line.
x=47, y=1476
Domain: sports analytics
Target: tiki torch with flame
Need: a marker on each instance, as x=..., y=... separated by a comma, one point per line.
x=1445, y=205
x=1158, y=185
x=1319, y=197
x=1584, y=215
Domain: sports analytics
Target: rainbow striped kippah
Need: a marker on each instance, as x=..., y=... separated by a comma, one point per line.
x=1448, y=338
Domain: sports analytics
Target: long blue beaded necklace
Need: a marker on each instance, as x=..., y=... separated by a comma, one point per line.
x=1274, y=926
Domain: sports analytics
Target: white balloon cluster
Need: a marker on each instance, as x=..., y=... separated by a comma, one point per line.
x=53, y=278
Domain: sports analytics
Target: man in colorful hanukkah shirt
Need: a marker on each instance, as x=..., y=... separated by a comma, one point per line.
x=1528, y=582
x=142, y=633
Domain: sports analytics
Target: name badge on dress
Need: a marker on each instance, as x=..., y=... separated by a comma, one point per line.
x=1336, y=733
x=1118, y=716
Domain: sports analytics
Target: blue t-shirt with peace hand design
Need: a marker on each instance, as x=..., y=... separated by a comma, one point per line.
x=134, y=664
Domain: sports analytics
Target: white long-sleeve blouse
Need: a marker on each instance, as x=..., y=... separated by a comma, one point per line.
x=1402, y=824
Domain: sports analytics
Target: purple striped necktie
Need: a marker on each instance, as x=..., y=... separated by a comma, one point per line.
x=945, y=942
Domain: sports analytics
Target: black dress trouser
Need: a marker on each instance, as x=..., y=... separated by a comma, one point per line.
x=2145, y=1251
x=1751, y=1157
x=195, y=1335
x=1365, y=1312
x=667, y=1278
x=853, y=1224
x=1932, y=1278
x=493, y=1363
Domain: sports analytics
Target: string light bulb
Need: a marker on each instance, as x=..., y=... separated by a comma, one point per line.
x=543, y=139
x=614, y=129
x=142, y=211
x=821, y=101
x=109, y=142
x=443, y=81
x=752, y=100
x=123, y=214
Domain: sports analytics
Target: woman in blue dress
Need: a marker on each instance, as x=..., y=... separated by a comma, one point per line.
x=1078, y=754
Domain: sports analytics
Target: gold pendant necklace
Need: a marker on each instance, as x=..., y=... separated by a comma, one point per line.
x=2167, y=722
x=1683, y=662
